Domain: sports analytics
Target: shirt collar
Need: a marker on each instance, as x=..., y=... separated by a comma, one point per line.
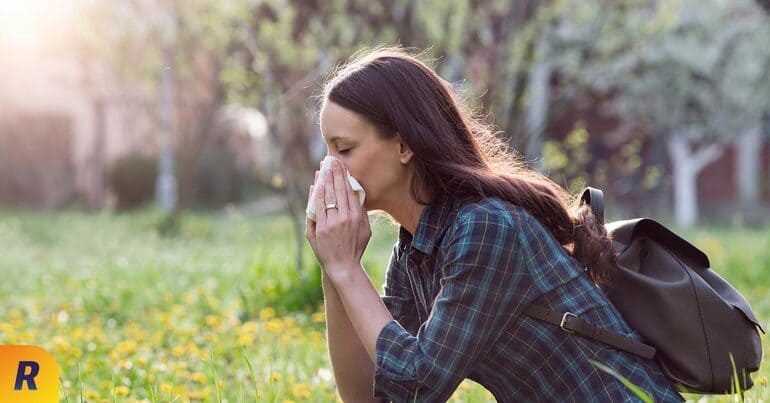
x=429, y=227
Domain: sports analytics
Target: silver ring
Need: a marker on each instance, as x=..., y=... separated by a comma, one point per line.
x=331, y=206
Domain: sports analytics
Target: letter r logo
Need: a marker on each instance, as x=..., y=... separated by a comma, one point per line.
x=22, y=375
x=28, y=374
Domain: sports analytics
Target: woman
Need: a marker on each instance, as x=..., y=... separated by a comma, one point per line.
x=480, y=238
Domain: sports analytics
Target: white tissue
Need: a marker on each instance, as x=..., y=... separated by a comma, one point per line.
x=326, y=166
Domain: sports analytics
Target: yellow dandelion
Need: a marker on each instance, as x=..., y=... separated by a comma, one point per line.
x=199, y=377
x=301, y=390
x=250, y=327
x=288, y=401
x=762, y=381
x=178, y=351
x=266, y=313
x=121, y=391
x=126, y=347
x=60, y=343
x=245, y=340
x=290, y=322
x=188, y=298
x=166, y=387
x=276, y=376
x=199, y=394
x=274, y=326
x=213, y=320
x=75, y=352
x=318, y=317
x=91, y=394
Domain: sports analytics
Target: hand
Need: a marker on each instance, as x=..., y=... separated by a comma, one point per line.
x=339, y=236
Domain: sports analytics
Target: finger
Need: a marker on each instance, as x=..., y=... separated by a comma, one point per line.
x=310, y=231
x=329, y=197
x=309, y=195
x=310, y=223
x=340, y=191
x=320, y=203
x=353, y=203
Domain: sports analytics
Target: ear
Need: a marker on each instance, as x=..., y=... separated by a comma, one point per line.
x=404, y=152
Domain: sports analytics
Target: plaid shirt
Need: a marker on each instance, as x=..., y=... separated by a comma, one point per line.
x=456, y=291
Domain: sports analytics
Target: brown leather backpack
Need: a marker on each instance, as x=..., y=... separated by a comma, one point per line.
x=692, y=320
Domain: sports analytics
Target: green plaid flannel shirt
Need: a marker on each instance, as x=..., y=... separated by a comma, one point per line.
x=456, y=291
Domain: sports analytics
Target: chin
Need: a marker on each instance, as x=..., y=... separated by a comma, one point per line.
x=369, y=205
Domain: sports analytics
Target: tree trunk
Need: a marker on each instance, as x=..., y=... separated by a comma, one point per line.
x=748, y=148
x=539, y=98
x=97, y=166
x=686, y=166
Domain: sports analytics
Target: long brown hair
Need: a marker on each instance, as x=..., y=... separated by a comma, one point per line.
x=455, y=152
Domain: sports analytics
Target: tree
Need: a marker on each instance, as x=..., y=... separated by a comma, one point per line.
x=675, y=70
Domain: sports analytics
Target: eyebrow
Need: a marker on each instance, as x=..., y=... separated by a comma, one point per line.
x=332, y=139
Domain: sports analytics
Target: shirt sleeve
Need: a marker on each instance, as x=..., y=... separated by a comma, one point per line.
x=483, y=286
x=397, y=296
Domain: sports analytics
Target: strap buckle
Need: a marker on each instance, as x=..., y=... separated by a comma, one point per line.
x=564, y=321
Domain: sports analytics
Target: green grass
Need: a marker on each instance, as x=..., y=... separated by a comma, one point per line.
x=217, y=311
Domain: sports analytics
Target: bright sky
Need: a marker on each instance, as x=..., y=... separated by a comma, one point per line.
x=26, y=23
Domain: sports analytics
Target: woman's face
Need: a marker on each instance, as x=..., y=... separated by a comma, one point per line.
x=375, y=162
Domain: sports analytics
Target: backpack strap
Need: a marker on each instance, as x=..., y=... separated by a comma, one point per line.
x=595, y=198
x=571, y=323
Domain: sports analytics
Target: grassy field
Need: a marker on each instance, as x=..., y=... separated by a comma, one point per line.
x=217, y=311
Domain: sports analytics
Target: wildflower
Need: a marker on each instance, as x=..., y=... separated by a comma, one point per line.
x=266, y=313
x=275, y=376
x=249, y=327
x=121, y=391
x=213, y=320
x=91, y=394
x=199, y=394
x=274, y=326
x=199, y=377
x=323, y=374
x=126, y=347
x=177, y=351
x=301, y=390
x=245, y=339
x=318, y=317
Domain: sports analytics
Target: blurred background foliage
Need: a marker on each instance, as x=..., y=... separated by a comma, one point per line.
x=663, y=104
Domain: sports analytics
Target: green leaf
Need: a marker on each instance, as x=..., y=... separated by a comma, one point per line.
x=637, y=391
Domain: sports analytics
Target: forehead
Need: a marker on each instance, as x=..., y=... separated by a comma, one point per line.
x=339, y=122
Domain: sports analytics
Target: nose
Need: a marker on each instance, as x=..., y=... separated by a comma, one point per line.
x=336, y=156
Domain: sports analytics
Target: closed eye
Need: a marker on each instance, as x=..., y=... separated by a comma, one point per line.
x=344, y=151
